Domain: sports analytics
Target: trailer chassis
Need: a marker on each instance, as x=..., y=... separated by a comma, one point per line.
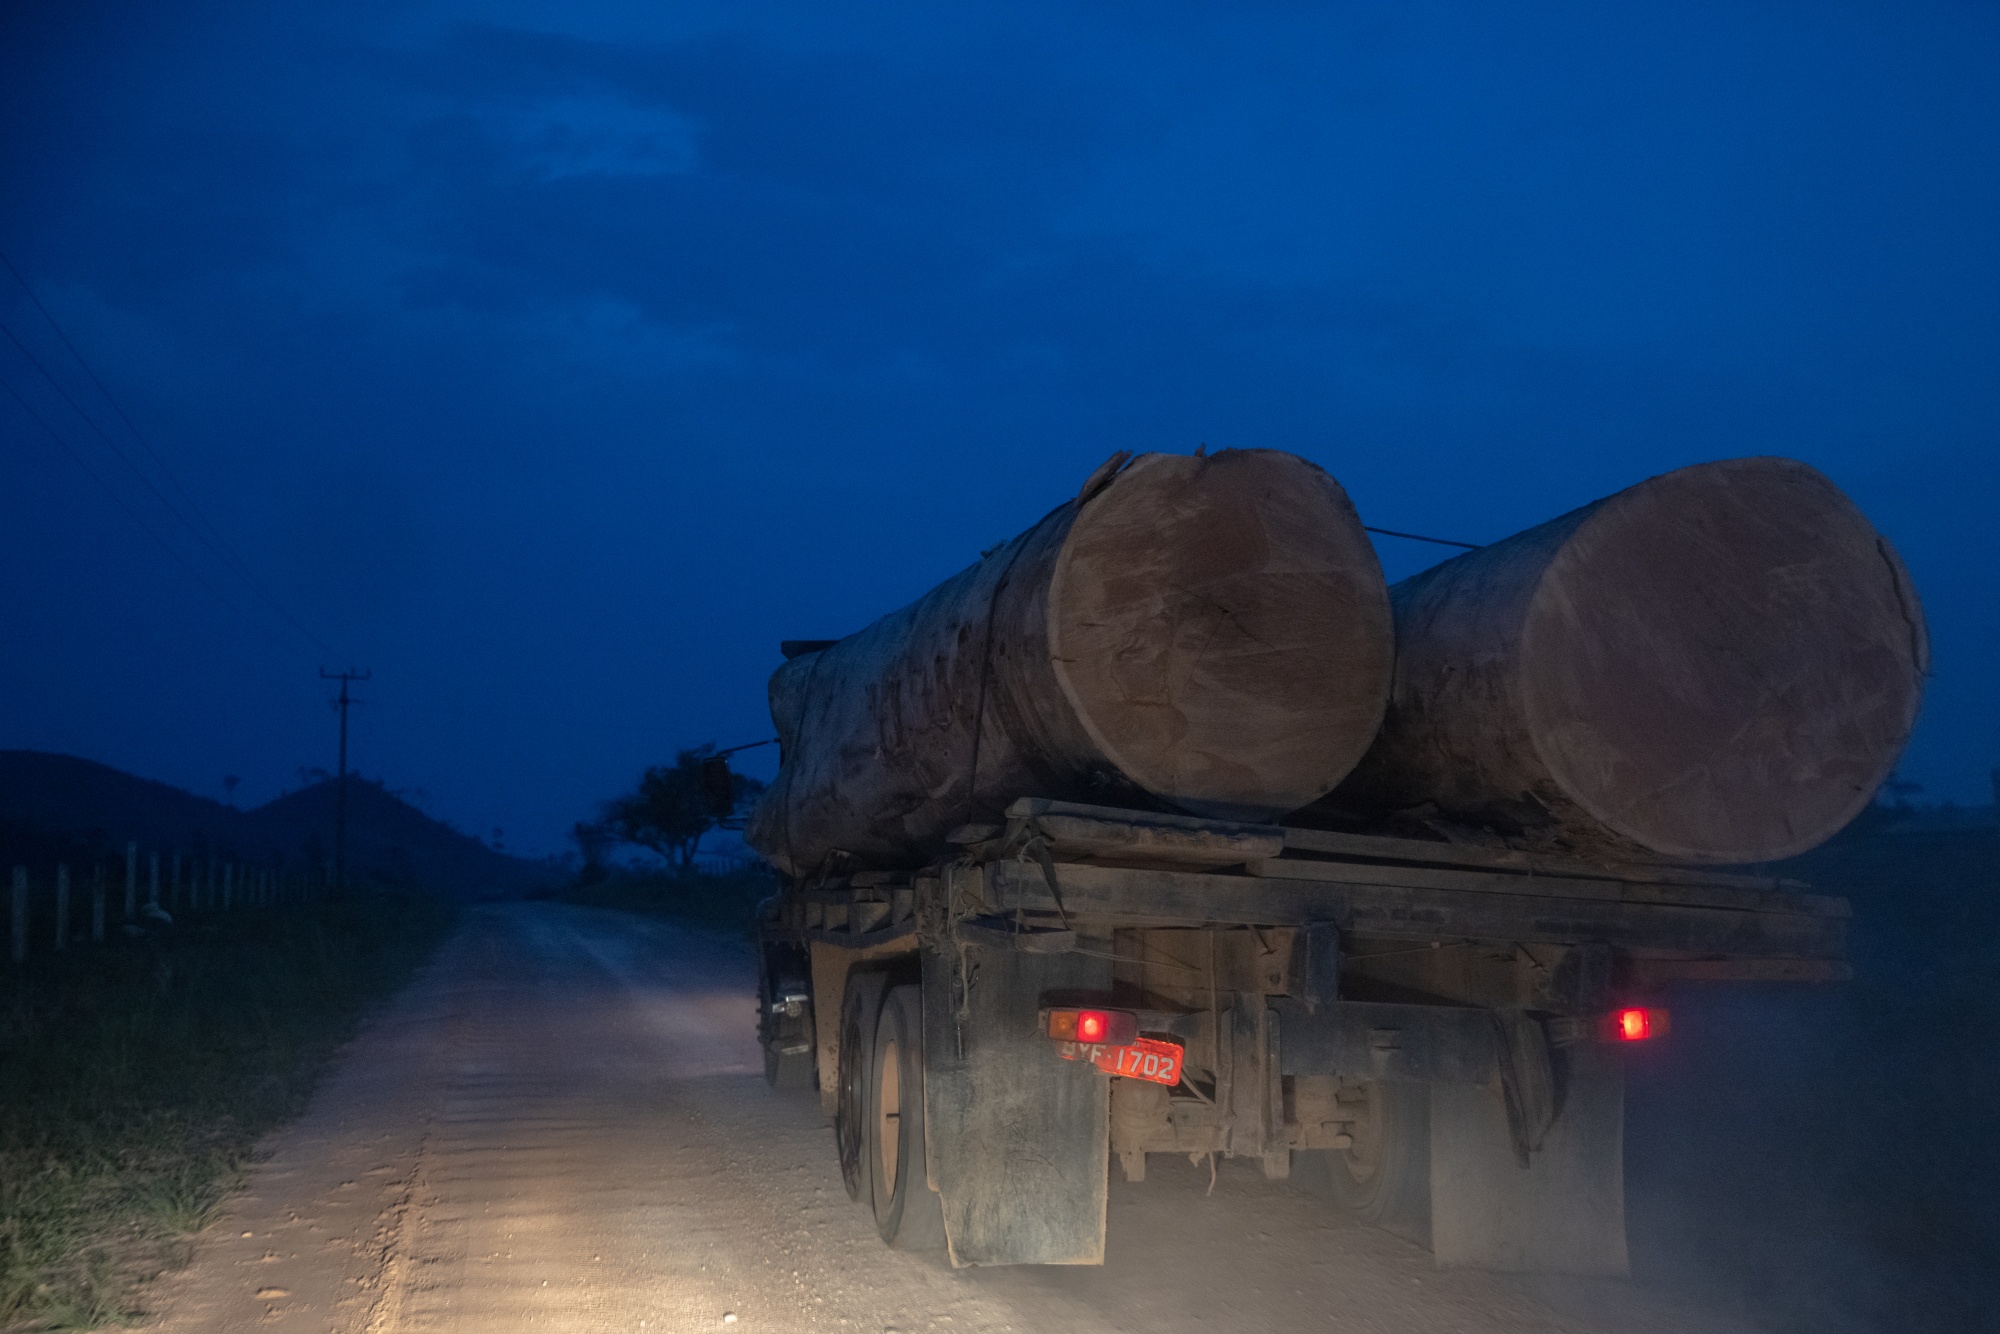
x=1414, y=1025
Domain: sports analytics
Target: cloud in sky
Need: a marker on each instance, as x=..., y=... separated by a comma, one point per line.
x=556, y=360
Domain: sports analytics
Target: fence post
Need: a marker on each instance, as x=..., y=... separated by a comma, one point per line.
x=212, y=900
x=174, y=903
x=153, y=884
x=20, y=939
x=62, y=906
x=228, y=883
x=97, y=906
x=131, y=881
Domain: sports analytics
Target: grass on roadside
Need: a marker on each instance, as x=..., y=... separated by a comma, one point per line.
x=707, y=902
x=136, y=1077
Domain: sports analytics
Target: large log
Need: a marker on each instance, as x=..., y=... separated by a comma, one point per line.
x=1206, y=634
x=1717, y=665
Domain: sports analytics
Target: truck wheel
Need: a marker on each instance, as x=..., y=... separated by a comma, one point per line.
x=908, y=1213
x=860, y=1007
x=1385, y=1177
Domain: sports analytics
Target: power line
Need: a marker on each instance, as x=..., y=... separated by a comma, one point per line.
x=200, y=526
x=105, y=392
x=140, y=519
x=220, y=545
x=1418, y=537
x=227, y=558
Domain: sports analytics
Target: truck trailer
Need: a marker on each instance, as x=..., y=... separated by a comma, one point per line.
x=1431, y=1034
x=1086, y=856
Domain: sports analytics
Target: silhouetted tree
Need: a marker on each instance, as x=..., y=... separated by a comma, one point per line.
x=672, y=807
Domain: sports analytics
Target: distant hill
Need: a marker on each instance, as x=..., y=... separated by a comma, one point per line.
x=62, y=808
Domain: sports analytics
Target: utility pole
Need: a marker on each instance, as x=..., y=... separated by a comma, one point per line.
x=340, y=786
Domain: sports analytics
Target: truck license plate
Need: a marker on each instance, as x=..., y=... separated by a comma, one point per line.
x=1147, y=1058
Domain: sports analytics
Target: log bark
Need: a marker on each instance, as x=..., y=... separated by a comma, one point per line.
x=1210, y=635
x=1718, y=665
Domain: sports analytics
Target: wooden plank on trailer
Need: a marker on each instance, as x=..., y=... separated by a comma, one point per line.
x=1568, y=887
x=1087, y=838
x=1411, y=913
x=1387, y=848
x=1027, y=808
x=1513, y=859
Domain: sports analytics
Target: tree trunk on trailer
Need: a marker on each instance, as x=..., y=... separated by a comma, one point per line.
x=1205, y=634
x=1718, y=665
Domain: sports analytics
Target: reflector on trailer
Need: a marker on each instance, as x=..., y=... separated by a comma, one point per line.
x=1634, y=1024
x=1093, y=1028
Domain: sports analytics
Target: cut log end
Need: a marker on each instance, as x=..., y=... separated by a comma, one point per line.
x=1723, y=663
x=1222, y=630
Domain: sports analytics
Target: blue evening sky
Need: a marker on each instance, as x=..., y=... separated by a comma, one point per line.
x=556, y=360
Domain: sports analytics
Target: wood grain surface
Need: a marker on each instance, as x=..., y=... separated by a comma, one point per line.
x=1718, y=665
x=1205, y=634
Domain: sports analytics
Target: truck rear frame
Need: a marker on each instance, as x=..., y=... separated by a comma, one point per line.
x=1415, y=1025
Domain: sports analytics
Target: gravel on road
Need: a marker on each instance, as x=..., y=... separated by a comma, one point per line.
x=563, y=1126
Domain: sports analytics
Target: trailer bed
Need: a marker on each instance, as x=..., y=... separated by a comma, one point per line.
x=1060, y=866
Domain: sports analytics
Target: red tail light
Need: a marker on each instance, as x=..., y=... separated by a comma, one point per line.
x=1093, y=1028
x=1634, y=1024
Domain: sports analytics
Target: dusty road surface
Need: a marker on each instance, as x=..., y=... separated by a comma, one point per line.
x=563, y=1126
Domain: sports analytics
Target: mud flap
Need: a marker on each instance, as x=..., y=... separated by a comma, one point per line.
x=1564, y=1213
x=1018, y=1140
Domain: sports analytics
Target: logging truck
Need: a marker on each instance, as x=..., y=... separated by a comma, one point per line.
x=1167, y=827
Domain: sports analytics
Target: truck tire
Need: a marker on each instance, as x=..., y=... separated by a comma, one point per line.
x=908, y=1213
x=860, y=1007
x=1385, y=1178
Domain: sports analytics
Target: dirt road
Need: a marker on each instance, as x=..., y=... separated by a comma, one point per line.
x=563, y=1126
